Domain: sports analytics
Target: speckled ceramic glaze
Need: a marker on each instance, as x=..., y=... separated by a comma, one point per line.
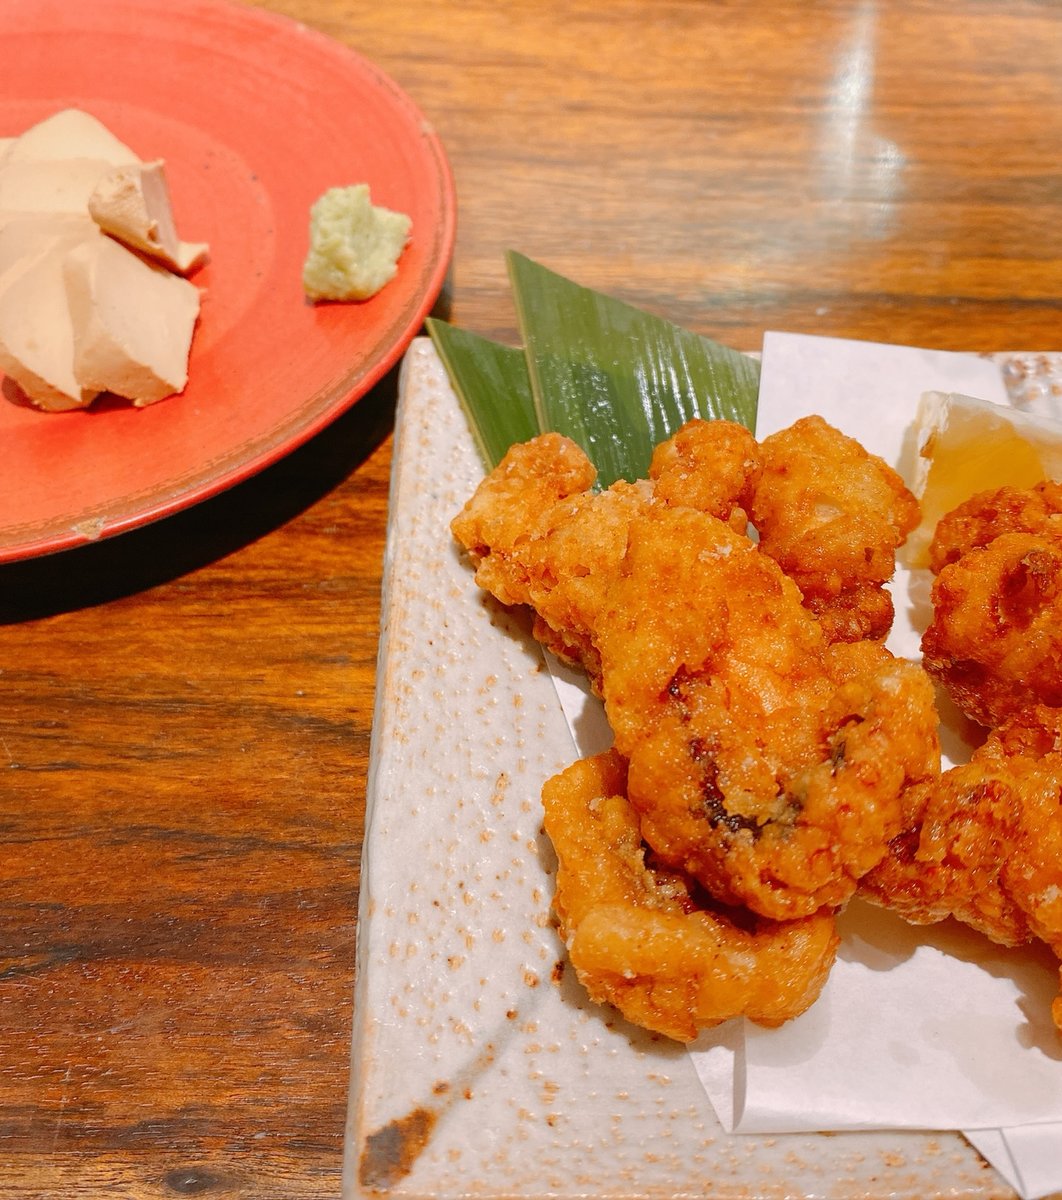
x=479, y=1067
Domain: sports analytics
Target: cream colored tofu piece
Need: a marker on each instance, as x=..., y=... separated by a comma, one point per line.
x=47, y=186
x=36, y=331
x=69, y=133
x=80, y=313
x=354, y=245
x=133, y=322
x=25, y=235
x=132, y=203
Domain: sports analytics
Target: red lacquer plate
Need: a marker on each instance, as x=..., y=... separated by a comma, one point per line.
x=254, y=116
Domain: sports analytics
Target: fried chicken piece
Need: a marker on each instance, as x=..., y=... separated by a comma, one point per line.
x=713, y=466
x=641, y=939
x=983, y=843
x=995, y=641
x=763, y=762
x=833, y=515
x=982, y=518
x=510, y=505
x=535, y=514
x=520, y=538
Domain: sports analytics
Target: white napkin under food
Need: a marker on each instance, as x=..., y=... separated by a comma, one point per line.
x=917, y=1028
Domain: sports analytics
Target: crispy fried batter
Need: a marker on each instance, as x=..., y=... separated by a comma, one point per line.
x=984, y=842
x=982, y=518
x=763, y=762
x=641, y=940
x=713, y=466
x=552, y=545
x=832, y=515
x=995, y=641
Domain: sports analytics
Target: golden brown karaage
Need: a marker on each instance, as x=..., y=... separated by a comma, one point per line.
x=982, y=518
x=983, y=843
x=995, y=640
x=713, y=466
x=642, y=939
x=833, y=515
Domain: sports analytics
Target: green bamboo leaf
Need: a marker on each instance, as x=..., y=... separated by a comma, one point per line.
x=618, y=380
x=492, y=386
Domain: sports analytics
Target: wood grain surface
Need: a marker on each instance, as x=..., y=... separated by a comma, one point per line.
x=186, y=710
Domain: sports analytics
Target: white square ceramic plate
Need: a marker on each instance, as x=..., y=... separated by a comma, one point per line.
x=479, y=1068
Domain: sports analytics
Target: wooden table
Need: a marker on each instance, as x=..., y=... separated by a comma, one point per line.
x=186, y=710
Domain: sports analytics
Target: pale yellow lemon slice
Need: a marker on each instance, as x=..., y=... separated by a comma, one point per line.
x=966, y=446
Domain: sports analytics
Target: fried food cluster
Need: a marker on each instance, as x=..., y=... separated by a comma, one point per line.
x=767, y=736
x=983, y=843
x=644, y=940
x=995, y=641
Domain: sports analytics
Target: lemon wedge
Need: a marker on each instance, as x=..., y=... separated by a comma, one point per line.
x=965, y=446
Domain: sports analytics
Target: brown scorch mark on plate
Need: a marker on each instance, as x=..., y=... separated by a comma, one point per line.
x=391, y=1151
